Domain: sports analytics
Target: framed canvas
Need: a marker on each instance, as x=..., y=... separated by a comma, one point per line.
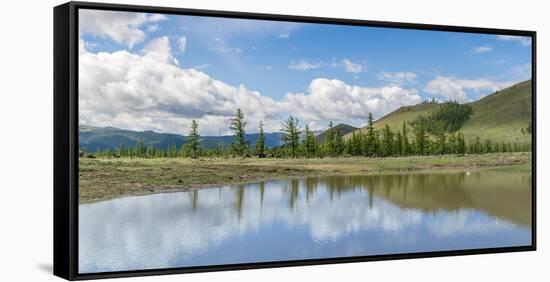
x=191, y=140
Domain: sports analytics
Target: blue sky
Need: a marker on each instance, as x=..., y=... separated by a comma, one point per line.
x=311, y=66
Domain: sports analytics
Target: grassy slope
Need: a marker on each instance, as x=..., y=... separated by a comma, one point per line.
x=502, y=115
x=499, y=116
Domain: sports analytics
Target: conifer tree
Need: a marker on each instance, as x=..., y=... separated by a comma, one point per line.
x=398, y=144
x=387, y=143
x=260, y=145
x=406, y=147
x=356, y=143
x=339, y=143
x=370, y=138
x=121, y=150
x=140, y=148
x=193, y=139
x=291, y=134
x=330, y=140
x=238, y=126
x=441, y=142
x=421, y=138
x=309, y=142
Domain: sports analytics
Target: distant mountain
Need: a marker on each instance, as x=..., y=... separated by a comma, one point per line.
x=502, y=116
x=342, y=128
x=100, y=138
x=317, y=132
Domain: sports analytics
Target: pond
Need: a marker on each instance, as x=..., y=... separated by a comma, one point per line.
x=308, y=218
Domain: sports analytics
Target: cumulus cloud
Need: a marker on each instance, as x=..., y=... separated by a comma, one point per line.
x=522, y=40
x=182, y=43
x=150, y=91
x=482, y=49
x=452, y=88
x=121, y=27
x=352, y=67
x=398, y=78
x=337, y=101
x=303, y=65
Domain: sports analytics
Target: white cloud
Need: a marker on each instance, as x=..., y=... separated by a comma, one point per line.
x=81, y=46
x=121, y=27
x=182, y=43
x=284, y=35
x=482, y=49
x=152, y=28
x=522, y=40
x=201, y=67
x=521, y=72
x=149, y=91
x=230, y=28
x=222, y=49
x=452, y=88
x=352, y=67
x=398, y=78
x=266, y=67
x=303, y=65
x=337, y=101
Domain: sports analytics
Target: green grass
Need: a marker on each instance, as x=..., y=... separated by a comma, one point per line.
x=502, y=115
x=498, y=117
x=102, y=179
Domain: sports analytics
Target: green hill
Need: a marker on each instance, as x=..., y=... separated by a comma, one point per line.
x=342, y=128
x=501, y=116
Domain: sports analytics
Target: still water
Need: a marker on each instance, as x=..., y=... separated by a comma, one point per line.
x=307, y=218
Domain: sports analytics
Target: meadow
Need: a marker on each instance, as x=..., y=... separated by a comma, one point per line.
x=108, y=178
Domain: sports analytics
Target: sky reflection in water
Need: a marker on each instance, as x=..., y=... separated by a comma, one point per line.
x=307, y=218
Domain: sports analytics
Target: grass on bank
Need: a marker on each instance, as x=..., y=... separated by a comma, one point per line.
x=103, y=179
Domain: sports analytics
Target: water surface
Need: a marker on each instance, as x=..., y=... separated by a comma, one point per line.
x=307, y=218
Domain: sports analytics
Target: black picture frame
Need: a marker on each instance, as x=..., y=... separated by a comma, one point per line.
x=66, y=138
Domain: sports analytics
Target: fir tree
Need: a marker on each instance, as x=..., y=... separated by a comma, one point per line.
x=331, y=139
x=291, y=134
x=356, y=143
x=441, y=143
x=309, y=142
x=193, y=139
x=260, y=145
x=387, y=143
x=370, y=138
x=399, y=144
x=406, y=147
x=238, y=124
x=421, y=138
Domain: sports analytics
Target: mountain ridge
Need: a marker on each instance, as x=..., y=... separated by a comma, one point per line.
x=95, y=138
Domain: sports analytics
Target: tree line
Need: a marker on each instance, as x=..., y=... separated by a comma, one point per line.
x=432, y=135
